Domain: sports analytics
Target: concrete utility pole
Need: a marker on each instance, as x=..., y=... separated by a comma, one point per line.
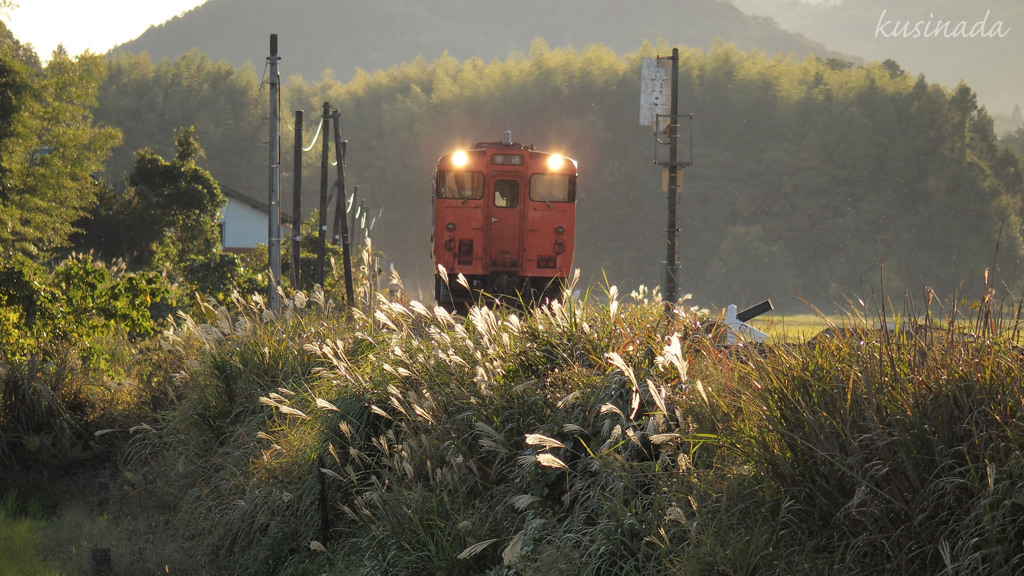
x=274, y=202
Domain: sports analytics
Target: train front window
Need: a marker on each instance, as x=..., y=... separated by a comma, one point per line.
x=506, y=193
x=553, y=188
x=460, y=185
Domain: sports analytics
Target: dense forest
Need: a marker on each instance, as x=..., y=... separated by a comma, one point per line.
x=810, y=176
x=812, y=179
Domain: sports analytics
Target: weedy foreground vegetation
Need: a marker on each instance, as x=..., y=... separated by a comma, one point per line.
x=591, y=435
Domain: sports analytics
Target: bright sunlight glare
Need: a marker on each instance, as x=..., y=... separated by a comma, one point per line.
x=96, y=25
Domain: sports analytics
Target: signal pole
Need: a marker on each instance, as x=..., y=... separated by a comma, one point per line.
x=659, y=108
x=274, y=202
x=673, y=183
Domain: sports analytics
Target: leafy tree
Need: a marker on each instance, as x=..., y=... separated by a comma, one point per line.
x=167, y=219
x=14, y=86
x=169, y=209
x=50, y=149
x=1015, y=140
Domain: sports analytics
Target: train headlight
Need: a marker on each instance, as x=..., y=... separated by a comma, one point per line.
x=555, y=162
x=450, y=227
x=460, y=158
x=559, y=230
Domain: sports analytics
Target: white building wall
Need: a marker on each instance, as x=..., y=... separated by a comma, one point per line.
x=243, y=225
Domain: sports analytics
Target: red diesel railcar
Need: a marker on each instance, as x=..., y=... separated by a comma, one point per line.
x=504, y=218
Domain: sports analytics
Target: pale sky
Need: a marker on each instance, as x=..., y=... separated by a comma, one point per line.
x=94, y=25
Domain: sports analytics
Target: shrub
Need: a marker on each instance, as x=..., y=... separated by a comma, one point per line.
x=72, y=341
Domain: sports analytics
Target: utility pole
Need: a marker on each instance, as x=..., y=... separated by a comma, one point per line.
x=659, y=99
x=297, y=203
x=673, y=183
x=321, y=247
x=274, y=203
x=340, y=206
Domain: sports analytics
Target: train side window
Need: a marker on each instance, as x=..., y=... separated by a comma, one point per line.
x=553, y=188
x=456, y=184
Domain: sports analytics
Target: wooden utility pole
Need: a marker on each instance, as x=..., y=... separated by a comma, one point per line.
x=321, y=252
x=340, y=209
x=274, y=202
x=297, y=203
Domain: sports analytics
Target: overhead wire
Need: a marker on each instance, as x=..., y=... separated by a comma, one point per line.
x=316, y=137
x=319, y=126
x=259, y=93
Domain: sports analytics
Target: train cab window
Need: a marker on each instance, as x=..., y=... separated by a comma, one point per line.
x=553, y=188
x=459, y=184
x=506, y=193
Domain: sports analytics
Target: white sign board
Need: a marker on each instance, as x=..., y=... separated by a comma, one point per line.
x=655, y=93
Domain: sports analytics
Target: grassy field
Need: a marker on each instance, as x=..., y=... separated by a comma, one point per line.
x=22, y=552
x=581, y=437
x=795, y=328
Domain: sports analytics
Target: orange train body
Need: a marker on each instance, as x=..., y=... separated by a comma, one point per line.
x=504, y=218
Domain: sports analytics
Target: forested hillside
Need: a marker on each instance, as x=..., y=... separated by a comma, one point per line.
x=318, y=35
x=808, y=174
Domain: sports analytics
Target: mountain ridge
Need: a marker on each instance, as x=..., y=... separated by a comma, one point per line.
x=319, y=35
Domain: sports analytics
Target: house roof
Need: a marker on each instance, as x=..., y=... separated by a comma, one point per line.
x=231, y=193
